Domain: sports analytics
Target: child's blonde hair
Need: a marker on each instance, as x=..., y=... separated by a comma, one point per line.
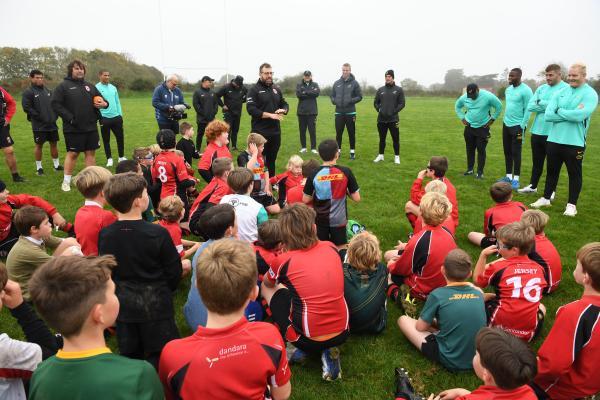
x=91, y=180
x=436, y=186
x=256, y=138
x=155, y=149
x=435, y=208
x=294, y=160
x=537, y=219
x=364, y=252
x=171, y=208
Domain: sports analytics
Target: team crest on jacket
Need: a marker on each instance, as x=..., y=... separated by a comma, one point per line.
x=87, y=88
x=274, y=90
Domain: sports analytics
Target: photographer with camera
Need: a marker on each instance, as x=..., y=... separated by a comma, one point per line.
x=168, y=104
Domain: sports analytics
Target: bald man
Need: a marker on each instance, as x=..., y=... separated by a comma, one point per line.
x=166, y=98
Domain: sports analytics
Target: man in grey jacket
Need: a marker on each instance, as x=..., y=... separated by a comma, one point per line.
x=307, y=92
x=344, y=95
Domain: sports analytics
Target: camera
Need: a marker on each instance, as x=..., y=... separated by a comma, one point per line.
x=177, y=112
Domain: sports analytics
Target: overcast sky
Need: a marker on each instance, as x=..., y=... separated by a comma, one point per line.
x=418, y=39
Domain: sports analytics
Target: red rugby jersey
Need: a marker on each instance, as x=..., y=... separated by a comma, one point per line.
x=89, y=221
x=448, y=224
x=15, y=201
x=175, y=232
x=169, y=168
x=501, y=214
x=417, y=191
x=211, y=153
x=212, y=193
x=265, y=259
x=545, y=254
x=519, y=283
x=235, y=362
x=286, y=181
x=315, y=279
x=485, y=392
x=568, y=358
x=422, y=259
x=295, y=195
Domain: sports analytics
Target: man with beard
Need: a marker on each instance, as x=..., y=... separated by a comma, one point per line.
x=78, y=102
x=389, y=101
x=570, y=111
x=516, y=117
x=474, y=109
x=36, y=104
x=345, y=93
x=307, y=92
x=267, y=107
x=231, y=97
x=206, y=104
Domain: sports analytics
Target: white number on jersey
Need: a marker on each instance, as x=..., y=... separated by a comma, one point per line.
x=531, y=291
x=162, y=174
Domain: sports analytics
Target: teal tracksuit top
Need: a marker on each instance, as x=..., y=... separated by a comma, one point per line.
x=517, y=99
x=478, y=112
x=538, y=104
x=570, y=111
x=110, y=93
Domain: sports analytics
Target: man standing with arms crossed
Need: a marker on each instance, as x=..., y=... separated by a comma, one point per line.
x=267, y=107
x=77, y=102
x=36, y=104
x=389, y=101
x=112, y=118
x=345, y=93
x=307, y=92
x=516, y=117
x=8, y=108
x=474, y=110
x=206, y=104
x=570, y=111
x=541, y=128
x=231, y=97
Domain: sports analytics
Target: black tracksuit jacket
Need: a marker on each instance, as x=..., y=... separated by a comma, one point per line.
x=36, y=104
x=263, y=98
x=73, y=101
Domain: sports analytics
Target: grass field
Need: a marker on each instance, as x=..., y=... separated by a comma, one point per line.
x=428, y=126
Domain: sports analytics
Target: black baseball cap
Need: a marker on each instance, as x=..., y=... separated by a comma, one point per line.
x=307, y=73
x=207, y=78
x=239, y=80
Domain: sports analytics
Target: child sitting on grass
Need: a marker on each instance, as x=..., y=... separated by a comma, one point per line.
x=268, y=246
x=217, y=136
x=92, y=217
x=439, y=187
x=517, y=281
x=295, y=194
x=504, y=212
x=365, y=281
x=446, y=329
x=172, y=212
x=168, y=167
x=76, y=297
x=287, y=180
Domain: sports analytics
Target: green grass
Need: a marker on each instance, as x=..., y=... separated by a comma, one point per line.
x=428, y=127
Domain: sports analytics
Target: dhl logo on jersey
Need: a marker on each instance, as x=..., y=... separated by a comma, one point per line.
x=258, y=171
x=458, y=296
x=330, y=177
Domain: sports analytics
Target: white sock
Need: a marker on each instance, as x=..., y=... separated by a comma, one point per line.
x=352, y=151
x=509, y=176
x=67, y=179
x=38, y=164
x=516, y=177
x=56, y=162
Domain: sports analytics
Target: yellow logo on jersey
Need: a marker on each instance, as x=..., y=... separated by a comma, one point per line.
x=330, y=177
x=258, y=170
x=458, y=296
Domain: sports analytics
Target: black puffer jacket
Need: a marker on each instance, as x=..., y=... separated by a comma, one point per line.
x=345, y=94
x=206, y=104
x=73, y=101
x=389, y=101
x=36, y=104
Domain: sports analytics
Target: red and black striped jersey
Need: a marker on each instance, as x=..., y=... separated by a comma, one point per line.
x=488, y=392
x=212, y=193
x=417, y=191
x=568, y=358
x=169, y=169
x=545, y=254
x=501, y=214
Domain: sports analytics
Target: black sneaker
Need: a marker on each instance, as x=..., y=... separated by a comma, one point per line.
x=404, y=388
x=479, y=175
x=467, y=173
x=352, y=157
x=18, y=178
x=40, y=171
x=59, y=168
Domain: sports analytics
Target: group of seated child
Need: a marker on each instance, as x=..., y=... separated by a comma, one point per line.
x=302, y=271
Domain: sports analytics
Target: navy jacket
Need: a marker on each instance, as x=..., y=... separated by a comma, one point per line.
x=163, y=98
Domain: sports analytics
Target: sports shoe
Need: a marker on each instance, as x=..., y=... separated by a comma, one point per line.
x=552, y=196
x=109, y=162
x=505, y=179
x=303, y=150
x=122, y=159
x=408, y=303
x=66, y=187
x=17, y=178
x=352, y=156
x=479, y=175
x=59, y=168
x=468, y=172
x=404, y=387
x=295, y=355
x=541, y=202
x=378, y=158
x=396, y=159
x=40, y=171
x=515, y=184
x=330, y=360
x=527, y=189
x=570, y=210
x=315, y=151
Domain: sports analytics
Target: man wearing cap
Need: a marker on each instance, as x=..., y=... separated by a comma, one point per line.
x=206, y=104
x=474, y=109
x=231, y=97
x=8, y=108
x=389, y=101
x=112, y=117
x=516, y=117
x=345, y=93
x=167, y=99
x=307, y=92
x=267, y=107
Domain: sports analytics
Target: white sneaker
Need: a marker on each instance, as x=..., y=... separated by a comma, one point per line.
x=552, y=196
x=396, y=159
x=122, y=159
x=378, y=158
x=109, y=162
x=66, y=187
x=527, y=189
x=303, y=150
x=541, y=202
x=570, y=210
x=315, y=151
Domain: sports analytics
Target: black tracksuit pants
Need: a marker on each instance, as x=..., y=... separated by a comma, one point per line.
x=347, y=121
x=270, y=152
x=383, y=128
x=200, y=134
x=234, y=127
x=572, y=157
x=308, y=122
x=538, y=156
x=476, y=139
x=116, y=125
x=512, y=141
